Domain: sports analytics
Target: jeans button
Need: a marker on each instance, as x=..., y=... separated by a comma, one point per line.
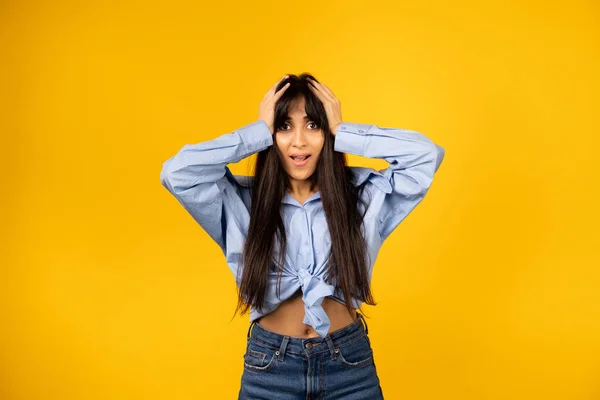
x=309, y=345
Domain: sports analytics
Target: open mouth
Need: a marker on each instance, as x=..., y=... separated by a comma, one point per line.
x=300, y=160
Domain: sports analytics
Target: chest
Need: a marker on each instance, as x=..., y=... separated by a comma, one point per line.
x=306, y=230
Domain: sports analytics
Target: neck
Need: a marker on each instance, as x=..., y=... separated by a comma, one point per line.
x=302, y=189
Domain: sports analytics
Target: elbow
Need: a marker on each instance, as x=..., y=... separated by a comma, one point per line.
x=439, y=153
x=423, y=177
x=166, y=177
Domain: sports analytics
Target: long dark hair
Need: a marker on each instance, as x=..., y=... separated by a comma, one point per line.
x=347, y=262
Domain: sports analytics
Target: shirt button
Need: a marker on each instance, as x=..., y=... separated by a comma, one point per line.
x=343, y=127
x=360, y=130
x=309, y=345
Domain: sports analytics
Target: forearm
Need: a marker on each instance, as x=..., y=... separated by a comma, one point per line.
x=413, y=158
x=205, y=162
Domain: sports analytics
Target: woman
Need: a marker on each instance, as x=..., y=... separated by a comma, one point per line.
x=301, y=235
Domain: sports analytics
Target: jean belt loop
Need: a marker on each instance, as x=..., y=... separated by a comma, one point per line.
x=331, y=346
x=364, y=322
x=281, y=350
x=249, y=328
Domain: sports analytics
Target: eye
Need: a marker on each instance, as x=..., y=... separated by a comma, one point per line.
x=314, y=124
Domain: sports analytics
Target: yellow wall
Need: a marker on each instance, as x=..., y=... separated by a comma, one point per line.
x=109, y=290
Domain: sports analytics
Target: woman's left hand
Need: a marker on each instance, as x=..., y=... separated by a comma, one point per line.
x=330, y=102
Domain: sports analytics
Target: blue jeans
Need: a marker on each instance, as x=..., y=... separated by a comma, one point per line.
x=339, y=366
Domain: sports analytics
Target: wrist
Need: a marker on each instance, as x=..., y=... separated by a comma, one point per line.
x=268, y=125
x=334, y=128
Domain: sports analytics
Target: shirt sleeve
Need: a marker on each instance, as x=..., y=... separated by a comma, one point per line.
x=199, y=178
x=412, y=157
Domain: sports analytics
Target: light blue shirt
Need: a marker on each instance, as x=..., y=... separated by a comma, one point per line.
x=219, y=201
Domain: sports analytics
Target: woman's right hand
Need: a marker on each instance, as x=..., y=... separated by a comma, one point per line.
x=266, y=110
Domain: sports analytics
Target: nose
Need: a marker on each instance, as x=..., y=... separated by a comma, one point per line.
x=298, y=140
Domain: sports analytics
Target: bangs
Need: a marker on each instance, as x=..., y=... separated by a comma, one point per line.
x=312, y=105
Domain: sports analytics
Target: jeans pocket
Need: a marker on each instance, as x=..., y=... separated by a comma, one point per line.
x=259, y=357
x=356, y=354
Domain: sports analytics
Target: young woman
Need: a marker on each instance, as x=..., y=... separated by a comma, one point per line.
x=301, y=235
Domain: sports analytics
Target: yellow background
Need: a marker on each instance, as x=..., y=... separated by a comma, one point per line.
x=490, y=289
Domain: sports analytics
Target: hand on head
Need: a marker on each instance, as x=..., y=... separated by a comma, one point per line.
x=266, y=110
x=330, y=102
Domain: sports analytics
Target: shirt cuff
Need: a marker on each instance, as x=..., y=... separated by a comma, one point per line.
x=256, y=136
x=351, y=138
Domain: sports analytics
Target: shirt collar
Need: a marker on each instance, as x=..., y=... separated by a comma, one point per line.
x=289, y=199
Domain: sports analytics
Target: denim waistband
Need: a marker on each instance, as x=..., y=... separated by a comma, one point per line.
x=307, y=346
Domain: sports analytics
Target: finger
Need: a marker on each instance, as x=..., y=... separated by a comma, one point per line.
x=280, y=92
x=323, y=89
x=274, y=87
x=279, y=82
x=327, y=91
x=317, y=93
x=321, y=93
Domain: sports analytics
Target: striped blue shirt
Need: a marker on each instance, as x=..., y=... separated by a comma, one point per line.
x=198, y=176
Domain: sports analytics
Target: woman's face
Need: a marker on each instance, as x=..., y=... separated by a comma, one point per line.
x=300, y=141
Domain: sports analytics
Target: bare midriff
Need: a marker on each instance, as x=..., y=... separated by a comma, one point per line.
x=287, y=318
